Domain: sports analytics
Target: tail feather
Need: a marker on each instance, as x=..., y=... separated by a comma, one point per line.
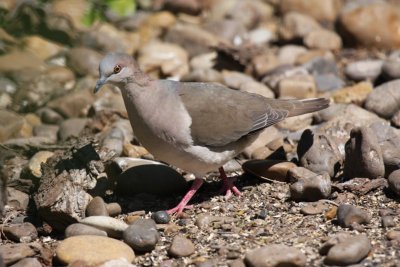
x=307, y=106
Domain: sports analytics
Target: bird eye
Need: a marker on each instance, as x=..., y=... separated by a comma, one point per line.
x=117, y=69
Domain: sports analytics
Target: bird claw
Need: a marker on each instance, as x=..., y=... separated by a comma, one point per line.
x=230, y=188
x=179, y=209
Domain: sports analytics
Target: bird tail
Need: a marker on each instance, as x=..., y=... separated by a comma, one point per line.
x=307, y=106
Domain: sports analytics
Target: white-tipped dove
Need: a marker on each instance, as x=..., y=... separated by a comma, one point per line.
x=195, y=126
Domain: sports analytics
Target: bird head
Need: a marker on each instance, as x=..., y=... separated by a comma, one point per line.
x=116, y=69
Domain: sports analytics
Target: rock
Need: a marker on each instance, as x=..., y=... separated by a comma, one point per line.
x=40, y=47
x=266, y=136
x=389, y=142
x=21, y=60
x=161, y=217
x=142, y=235
x=140, y=176
x=83, y=229
x=296, y=123
x=113, y=209
x=73, y=104
x=391, y=67
x=269, y=169
x=11, y=125
x=256, y=88
x=297, y=86
x=36, y=161
x=89, y=66
x=48, y=131
x=12, y=253
x=236, y=263
x=288, y=54
x=383, y=100
x=363, y=155
x=203, y=61
x=114, y=141
x=92, y=249
x=394, y=182
x=349, y=250
x=204, y=220
x=181, y=247
x=323, y=39
x=49, y=116
x=17, y=199
x=24, y=232
x=311, y=188
x=319, y=153
x=27, y=262
x=260, y=36
x=274, y=256
x=356, y=94
x=163, y=59
x=388, y=221
x=105, y=37
x=297, y=173
x=133, y=151
x=363, y=70
x=193, y=39
x=393, y=235
x=96, y=207
x=395, y=120
x=328, y=82
x=314, y=208
x=273, y=77
x=297, y=25
x=71, y=128
x=372, y=25
x=349, y=214
x=113, y=227
x=192, y=7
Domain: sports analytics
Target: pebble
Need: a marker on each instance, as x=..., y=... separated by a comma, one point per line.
x=204, y=220
x=27, y=262
x=82, y=229
x=114, y=141
x=236, y=263
x=318, y=152
x=112, y=226
x=36, y=161
x=12, y=253
x=296, y=123
x=297, y=86
x=17, y=199
x=363, y=70
x=393, y=235
x=92, y=249
x=328, y=82
x=274, y=256
x=383, y=100
x=113, y=209
x=73, y=104
x=46, y=130
x=388, y=221
x=71, y=128
x=394, y=182
x=314, y=208
x=391, y=65
x=323, y=39
x=312, y=188
x=288, y=54
x=48, y=115
x=161, y=217
x=349, y=250
x=89, y=66
x=356, y=93
x=320, y=10
x=371, y=25
x=349, y=214
x=269, y=169
x=297, y=25
x=11, y=124
x=24, y=232
x=363, y=155
x=142, y=235
x=181, y=247
x=96, y=207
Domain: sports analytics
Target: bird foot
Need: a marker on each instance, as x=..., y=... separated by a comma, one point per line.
x=183, y=204
x=179, y=209
x=229, y=188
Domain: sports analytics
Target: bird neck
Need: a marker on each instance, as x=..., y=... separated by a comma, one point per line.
x=140, y=78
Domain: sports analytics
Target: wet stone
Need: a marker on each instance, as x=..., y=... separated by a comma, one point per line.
x=161, y=217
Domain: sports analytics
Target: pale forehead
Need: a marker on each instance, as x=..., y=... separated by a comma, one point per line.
x=110, y=60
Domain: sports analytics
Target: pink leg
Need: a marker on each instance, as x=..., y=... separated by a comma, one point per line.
x=228, y=185
x=183, y=204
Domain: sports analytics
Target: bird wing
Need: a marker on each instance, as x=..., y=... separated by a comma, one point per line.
x=221, y=115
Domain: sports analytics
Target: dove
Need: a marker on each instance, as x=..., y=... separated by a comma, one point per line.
x=194, y=126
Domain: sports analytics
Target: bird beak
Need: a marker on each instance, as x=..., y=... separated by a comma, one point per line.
x=99, y=84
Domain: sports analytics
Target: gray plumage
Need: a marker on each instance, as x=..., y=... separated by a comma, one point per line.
x=195, y=126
